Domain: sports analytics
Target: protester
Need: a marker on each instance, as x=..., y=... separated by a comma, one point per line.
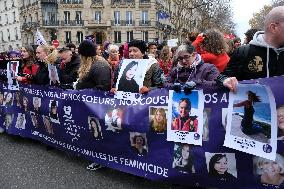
x=212, y=47
x=93, y=72
x=69, y=66
x=237, y=42
x=264, y=56
x=218, y=167
x=113, y=58
x=154, y=75
x=105, y=50
x=152, y=50
x=29, y=68
x=45, y=55
x=165, y=61
x=249, y=35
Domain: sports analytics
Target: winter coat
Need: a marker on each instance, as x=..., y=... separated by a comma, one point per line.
x=69, y=71
x=28, y=73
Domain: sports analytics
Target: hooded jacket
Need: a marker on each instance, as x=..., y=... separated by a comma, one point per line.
x=203, y=74
x=256, y=60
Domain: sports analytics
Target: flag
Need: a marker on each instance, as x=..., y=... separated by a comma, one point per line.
x=39, y=38
x=163, y=15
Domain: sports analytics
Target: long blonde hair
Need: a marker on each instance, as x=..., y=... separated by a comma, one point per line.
x=85, y=66
x=160, y=127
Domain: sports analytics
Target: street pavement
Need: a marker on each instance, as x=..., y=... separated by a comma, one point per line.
x=27, y=164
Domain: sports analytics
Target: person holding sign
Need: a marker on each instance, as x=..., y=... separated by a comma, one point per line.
x=185, y=122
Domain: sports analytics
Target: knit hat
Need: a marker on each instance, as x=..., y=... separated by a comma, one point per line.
x=87, y=48
x=141, y=45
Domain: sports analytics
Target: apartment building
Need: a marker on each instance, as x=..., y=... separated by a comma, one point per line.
x=117, y=21
x=10, y=33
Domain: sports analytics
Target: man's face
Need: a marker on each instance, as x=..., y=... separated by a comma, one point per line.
x=66, y=57
x=183, y=111
x=279, y=34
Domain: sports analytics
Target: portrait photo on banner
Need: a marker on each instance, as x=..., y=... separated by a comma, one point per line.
x=183, y=159
x=269, y=172
x=8, y=99
x=53, y=111
x=21, y=121
x=95, y=128
x=18, y=98
x=1, y=98
x=36, y=105
x=252, y=121
x=113, y=119
x=47, y=124
x=158, y=118
x=221, y=165
x=8, y=119
x=12, y=73
x=206, y=118
x=138, y=142
x=35, y=119
x=131, y=78
x=53, y=75
x=280, y=122
x=185, y=117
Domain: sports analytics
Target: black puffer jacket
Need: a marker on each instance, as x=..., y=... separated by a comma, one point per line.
x=69, y=73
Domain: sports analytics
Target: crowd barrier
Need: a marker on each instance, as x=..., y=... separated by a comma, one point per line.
x=105, y=130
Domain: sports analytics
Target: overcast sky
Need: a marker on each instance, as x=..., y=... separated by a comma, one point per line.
x=243, y=11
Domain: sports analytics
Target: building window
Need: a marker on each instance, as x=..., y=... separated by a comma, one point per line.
x=16, y=33
x=68, y=37
x=98, y=16
x=117, y=36
x=79, y=37
x=116, y=17
x=129, y=36
x=145, y=36
x=14, y=17
x=66, y=17
x=8, y=33
x=144, y=17
x=78, y=17
x=2, y=37
x=129, y=17
x=5, y=5
x=7, y=19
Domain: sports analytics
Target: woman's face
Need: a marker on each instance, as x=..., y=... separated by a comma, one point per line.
x=24, y=53
x=93, y=124
x=1, y=98
x=9, y=97
x=36, y=103
x=280, y=118
x=40, y=54
x=185, y=59
x=221, y=166
x=271, y=167
x=135, y=53
x=159, y=117
x=185, y=152
x=131, y=72
x=8, y=120
x=46, y=122
x=139, y=141
x=54, y=110
x=25, y=102
x=98, y=50
x=113, y=53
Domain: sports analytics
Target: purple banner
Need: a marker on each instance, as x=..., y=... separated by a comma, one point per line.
x=124, y=135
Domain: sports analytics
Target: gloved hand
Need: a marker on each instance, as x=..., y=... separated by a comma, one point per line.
x=188, y=87
x=177, y=87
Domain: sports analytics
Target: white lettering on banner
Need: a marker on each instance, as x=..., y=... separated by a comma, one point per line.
x=148, y=167
x=98, y=100
x=162, y=100
x=213, y=98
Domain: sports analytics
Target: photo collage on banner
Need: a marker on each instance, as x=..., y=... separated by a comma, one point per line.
x=113, y=119
x=95, y=128
x=251, y=121
x=12, y=73
x=130, y=78
x=185, y=117
x=183, y=160
x=138, y=142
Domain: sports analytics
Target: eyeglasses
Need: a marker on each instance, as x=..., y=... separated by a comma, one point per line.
x=186, y=57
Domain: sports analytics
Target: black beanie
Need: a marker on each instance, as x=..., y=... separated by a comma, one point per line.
x=87, y=48
x=141, y=45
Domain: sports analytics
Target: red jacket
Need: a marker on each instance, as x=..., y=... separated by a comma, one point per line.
x=29, y=72
x=220, y=61
x=190, y=125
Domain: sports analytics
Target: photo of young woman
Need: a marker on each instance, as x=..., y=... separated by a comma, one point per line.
x=18, y=98
x=183, y=158
x=37, y=105
x=1, y=98
x=139, y=143
x=21, y=121
x=158, y=119
x=53, y=114
x=222, y=166
x=127, y=83
x=35, y=119
x=95, y=128
x=47, y=124
x=269, y=172
x=25, y=104
x=8, y=99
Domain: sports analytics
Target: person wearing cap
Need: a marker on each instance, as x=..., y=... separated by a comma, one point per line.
x=94, y=73
x=69, y=65
x=154, y=75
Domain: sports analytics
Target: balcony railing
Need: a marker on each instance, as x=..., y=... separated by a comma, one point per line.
x=30, y=26
x=48, y=1
x=72, y=23
x=144, y=23
x=97, y=3
x=122, y=3
x=122, y=23
x=145, y=3
x=71, y=1
x=50, y=23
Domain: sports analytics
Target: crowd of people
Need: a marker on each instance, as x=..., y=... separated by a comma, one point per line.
x=208, y=59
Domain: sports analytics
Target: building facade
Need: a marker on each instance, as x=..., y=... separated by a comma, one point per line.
x=10, y=33
x=117, y=21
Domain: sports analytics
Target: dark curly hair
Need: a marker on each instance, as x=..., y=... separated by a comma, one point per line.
x=214, y=42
